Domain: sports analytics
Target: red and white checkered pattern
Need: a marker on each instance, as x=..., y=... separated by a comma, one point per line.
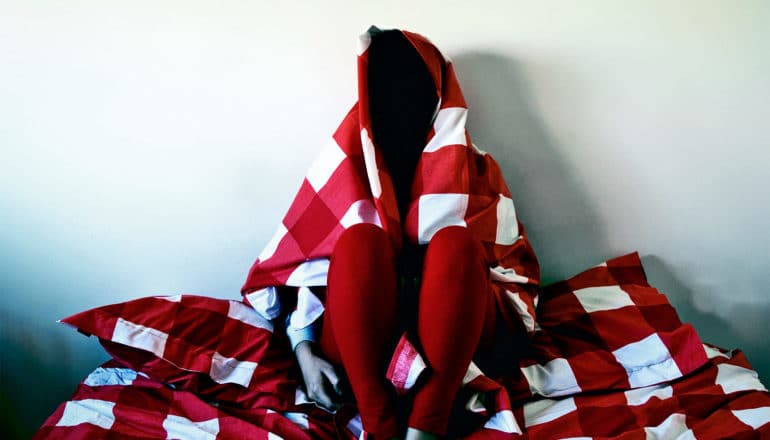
x=605, y=328
x=455, y=184
x=610, y=359
x=724, y=399
x=115, y=402
x=608, y=319
x=171, y=328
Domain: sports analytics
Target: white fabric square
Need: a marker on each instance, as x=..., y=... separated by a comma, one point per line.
x=111, y=376
x=299, y=419
x=733, y=378
x=247, y=315
x=370, y=161
x=521, y=307
x=415, y=370
x=171, y=298
x=506, y=275
x=754, y=417
x=674, y=426
x=329, y=159
x=230, y=370
x=545, y=410
x=437, y=211
x=139, y=336
x=503, y=421
x=310, y=273
x=471, y=373
x=640, y=396
x=178, y=427
x=594, y=299
x=361, y=211
x=94, y=411
x=555, y=378
x=309, y=308
x=647, y=362
x=449, y=129
x=507, y=225
x=265, y=302
x=272, y=245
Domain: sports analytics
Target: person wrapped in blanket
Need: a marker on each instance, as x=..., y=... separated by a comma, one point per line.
x=402, y=227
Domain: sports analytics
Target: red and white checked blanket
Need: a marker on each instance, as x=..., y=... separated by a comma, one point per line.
x=455, y=184
x=723, y=400
x=609, y=359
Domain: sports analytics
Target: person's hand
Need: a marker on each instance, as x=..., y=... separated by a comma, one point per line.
x=322, y=382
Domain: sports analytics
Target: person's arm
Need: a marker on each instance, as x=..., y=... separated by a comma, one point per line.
x=303, y=334
x=322, y=382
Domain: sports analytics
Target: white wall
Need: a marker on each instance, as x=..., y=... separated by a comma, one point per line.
x=152, y=148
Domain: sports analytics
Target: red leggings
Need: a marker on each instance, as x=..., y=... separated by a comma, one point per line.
x=361, y=321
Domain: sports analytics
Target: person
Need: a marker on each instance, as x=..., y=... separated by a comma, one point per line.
x=408, y=263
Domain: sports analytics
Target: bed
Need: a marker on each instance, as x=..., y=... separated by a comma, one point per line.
x=609, y=358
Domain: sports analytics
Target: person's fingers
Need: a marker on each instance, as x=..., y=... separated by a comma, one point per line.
x=331, y=374
x=318, y=393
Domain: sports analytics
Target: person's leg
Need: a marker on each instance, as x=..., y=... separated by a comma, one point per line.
x=361, y=312
x=452, y=306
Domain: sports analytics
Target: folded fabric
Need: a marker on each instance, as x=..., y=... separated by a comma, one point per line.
x=221, y=349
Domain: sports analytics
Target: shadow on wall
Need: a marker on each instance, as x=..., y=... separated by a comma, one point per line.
x=566, y=230
x=41, y=360
x=563, y=225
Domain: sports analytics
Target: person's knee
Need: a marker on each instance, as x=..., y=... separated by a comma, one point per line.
x=363, y=246
x=363, y=237
x=457, y=243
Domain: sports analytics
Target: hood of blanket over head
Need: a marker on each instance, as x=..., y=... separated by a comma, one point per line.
x=455, y=183
x=399, y=96
x=390, y=164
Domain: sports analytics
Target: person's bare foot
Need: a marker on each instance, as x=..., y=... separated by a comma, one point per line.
x=416, y=434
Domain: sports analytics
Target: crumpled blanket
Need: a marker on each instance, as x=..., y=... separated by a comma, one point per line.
x=609, y=359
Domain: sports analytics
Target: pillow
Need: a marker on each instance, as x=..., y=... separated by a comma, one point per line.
x=213, y=347
x=607, y=328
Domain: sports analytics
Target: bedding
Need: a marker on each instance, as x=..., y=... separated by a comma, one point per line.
x=609, y=358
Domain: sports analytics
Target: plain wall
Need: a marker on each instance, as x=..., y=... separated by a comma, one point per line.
x=152, y=147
